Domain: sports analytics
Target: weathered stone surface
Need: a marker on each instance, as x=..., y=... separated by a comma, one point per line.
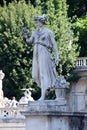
x=46, y=115
x=78, y=92
x=12, y=124
x=47, y=105
x=47, y=123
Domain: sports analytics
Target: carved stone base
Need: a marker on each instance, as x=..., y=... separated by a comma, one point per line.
x=53, y=115
x=48, y=105
x=46, y=115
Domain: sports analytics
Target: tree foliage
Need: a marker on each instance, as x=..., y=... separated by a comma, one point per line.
x=15, y=56
x=77, y=7
x=80, y=27
x=59, y=23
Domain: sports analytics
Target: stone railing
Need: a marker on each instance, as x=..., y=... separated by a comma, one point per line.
x=11, y=118
x=11, y=112
x=81, y=62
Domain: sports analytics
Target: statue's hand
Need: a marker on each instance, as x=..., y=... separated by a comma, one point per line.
x=25, y=37
x=24, y=33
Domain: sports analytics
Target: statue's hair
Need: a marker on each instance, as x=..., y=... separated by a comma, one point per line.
x=42, y=18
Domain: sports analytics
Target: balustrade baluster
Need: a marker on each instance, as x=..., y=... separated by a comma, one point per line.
x=81, y=62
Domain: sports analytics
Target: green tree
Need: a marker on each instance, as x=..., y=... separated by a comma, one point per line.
x=15, y=56
x=59, y=23
x=77, y=7
x=80, y=27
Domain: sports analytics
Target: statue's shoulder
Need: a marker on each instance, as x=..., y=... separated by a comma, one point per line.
x=34, y=32
x=48, y=31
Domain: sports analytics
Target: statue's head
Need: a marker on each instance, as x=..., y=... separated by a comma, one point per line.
x=27, y=92
x=42, y=18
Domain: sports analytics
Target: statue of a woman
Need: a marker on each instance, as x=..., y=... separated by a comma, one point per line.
x=43, y=68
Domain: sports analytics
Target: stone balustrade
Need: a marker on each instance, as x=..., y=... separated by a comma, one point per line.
x=11, y=112
x=12, y=119
x=81, y=62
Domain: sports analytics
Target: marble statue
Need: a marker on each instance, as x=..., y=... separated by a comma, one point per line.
x=44, y=65
x=1, y=78
x=26, y=98
x=4, y=101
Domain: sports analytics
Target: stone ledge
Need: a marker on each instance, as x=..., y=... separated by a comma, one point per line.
x=52, y=113
x=80, y=68
x=11, y=120
x=48, y=105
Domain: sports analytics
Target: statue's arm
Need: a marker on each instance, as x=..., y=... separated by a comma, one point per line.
x=29, y=40
x=25, y=36
x=55, y=48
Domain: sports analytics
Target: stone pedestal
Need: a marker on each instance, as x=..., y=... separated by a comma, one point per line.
x=53, y=115
x=47, y=122
x=47, y=106
x=57, y=114
x=47, y=115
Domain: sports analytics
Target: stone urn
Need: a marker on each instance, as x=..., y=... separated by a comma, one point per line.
x=60, y=88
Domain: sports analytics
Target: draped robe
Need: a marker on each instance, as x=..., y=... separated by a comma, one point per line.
x=43, y=67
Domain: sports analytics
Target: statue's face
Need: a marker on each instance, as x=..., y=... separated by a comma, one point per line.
x=39, y=24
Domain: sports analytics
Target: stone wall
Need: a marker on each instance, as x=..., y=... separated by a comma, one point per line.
x=78, y=92
x=12, y=124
